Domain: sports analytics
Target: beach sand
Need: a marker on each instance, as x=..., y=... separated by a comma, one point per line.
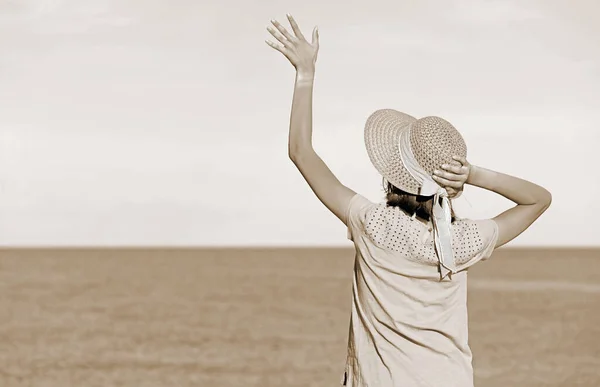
x=270, y=317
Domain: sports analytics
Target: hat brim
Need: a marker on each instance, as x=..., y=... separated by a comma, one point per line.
x=382, y=134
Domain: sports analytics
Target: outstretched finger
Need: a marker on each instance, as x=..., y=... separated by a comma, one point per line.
x=283, y=31
x=295, y=27
x=279, y=48
x=286, y=43
x=315, y=37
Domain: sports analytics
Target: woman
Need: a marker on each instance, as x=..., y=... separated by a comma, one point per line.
x=408, y=324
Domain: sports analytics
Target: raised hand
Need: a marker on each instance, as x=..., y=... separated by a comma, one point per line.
x=453, y=176
x=302, y=54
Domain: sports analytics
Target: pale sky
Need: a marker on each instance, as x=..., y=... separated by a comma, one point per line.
x=138, y=122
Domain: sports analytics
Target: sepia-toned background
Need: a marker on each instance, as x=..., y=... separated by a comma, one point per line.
x=155, y=233
x=165, y=123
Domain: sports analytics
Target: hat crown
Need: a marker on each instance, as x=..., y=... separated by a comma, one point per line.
x=434, y=141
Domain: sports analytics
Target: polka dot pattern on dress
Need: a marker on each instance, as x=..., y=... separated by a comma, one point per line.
x=392, y=229
x=467, y=241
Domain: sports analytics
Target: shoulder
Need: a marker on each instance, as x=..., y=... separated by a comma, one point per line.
x=357, y=209
x=473, y=240
x=365, y=216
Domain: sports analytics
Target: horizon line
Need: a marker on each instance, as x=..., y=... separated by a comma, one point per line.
x=252, y=247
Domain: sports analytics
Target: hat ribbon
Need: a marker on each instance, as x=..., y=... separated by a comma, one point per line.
x=441, y=215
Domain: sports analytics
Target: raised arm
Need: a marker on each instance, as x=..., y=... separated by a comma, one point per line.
x=531, y=199
x=303, y=55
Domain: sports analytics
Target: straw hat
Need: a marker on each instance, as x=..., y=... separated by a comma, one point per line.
x=433, y=141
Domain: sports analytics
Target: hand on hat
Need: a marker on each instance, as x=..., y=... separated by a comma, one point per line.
x=453, y=176
x=301, y=53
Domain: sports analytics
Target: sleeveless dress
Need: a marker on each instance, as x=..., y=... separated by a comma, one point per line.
x=408, y=328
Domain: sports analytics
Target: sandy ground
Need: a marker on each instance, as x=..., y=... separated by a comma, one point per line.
x=265, y=318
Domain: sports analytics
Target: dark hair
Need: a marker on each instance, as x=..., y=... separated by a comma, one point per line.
x=410, y=203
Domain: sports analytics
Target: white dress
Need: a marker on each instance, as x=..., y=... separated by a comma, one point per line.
x=408, y=328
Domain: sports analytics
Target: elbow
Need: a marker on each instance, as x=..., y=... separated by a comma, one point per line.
x=545, y=199
x=548, y=200
x=297, y=153
x=293, y=156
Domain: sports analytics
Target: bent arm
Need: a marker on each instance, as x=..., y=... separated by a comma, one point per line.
x=333, y=194
x=532, y=201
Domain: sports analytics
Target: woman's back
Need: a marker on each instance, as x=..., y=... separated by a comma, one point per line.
x=409, y=311
x=407, y=327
